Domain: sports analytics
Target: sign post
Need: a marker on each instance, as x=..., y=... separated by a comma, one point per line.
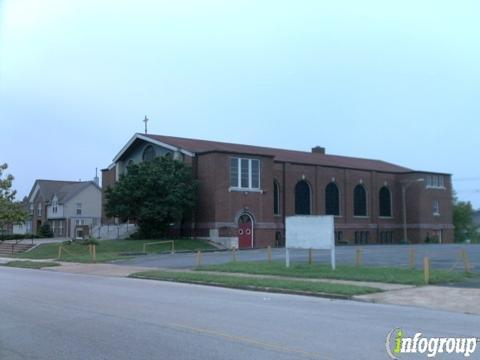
x=310, y=232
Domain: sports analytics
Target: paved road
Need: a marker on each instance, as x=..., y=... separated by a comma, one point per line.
x=48, y=316
x=442, y=256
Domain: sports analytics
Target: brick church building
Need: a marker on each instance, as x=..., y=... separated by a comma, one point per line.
x=245, y=192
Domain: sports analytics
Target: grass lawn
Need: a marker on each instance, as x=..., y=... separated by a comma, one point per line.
x=376, y=274
x=233, y=281
x=31, y=264
x=108, y=250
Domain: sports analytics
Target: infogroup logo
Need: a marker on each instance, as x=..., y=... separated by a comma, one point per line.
x=398, y=344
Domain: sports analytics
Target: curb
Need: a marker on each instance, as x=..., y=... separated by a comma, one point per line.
x=252, y=288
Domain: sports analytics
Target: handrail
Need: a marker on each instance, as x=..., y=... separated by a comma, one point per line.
x=18, y=241
x=160, y=242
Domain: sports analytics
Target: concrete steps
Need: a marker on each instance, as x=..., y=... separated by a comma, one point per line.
x=6, y=248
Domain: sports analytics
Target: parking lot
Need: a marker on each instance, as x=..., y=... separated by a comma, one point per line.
x=445, y=256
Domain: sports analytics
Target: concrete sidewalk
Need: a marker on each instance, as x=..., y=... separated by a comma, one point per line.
x=462, y=300
x=103, y=269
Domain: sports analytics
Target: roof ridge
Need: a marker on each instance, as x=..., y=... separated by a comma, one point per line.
x=276, y=149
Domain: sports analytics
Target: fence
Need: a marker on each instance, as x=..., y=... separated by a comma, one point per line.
x=427, y=260
x=65, y=249
x=160, y=242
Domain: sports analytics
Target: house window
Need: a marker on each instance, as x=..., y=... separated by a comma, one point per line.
x=244, y=173
x=332, y=199
x=385, y=202
x=39, y=209
x=359, y=201
x=31, y=208
x=148, y=153
x=302, y=198
x=55, y=206
x=79, y=209
x=436, y=208
x=276, y=198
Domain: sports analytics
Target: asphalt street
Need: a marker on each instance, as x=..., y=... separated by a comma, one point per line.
x=46, y=315
x=445, y=256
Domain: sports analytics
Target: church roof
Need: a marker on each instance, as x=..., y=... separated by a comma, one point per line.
x=282, y=155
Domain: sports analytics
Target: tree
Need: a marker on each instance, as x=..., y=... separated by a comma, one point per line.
x=465, y=228
x=155, y=194
x=45, y=231
x=11, y=212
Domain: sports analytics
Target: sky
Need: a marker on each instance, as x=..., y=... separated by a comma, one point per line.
x=391, y=80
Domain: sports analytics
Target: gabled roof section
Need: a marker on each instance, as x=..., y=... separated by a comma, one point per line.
x=151, y=140
x=281, y=155
x=64, y=190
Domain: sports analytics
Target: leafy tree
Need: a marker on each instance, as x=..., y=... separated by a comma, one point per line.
x=11, y=212
x=465, y=227
x=155, y=194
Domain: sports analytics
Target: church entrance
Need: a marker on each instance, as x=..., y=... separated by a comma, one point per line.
x=245, y=232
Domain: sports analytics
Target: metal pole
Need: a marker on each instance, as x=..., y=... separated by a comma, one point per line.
x=332, y=258
x=404, y=201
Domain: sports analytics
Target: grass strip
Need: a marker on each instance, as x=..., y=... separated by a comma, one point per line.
x=251, y=283
x=391, y=275
x=31, y=264
x=109, y=250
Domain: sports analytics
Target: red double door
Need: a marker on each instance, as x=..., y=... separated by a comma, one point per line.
x=245, y=232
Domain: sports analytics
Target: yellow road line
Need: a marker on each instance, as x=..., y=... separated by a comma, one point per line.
x=246, y=340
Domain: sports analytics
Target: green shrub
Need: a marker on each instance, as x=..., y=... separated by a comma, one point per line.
x=19, y=236
x=45, y=231
x=90, y=241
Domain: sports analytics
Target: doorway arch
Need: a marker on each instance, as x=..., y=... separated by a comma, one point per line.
x=245, y=231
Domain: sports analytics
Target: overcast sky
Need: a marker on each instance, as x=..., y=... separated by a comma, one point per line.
x=394, y=80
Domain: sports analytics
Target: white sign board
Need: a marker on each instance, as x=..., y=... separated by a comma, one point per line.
x=310, y=232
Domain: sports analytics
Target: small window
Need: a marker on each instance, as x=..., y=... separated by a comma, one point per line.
x=39, y=209
x=255, y=171
x=276, y=198
x=31, y=208
x=245, y=173
x=338, y=237
x=436, y=208
x=79, y=208
x=149, y=153
x=234, y=172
